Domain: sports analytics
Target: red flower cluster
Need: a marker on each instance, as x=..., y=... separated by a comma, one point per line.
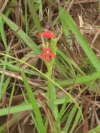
x=47, y=34
x=47, y=54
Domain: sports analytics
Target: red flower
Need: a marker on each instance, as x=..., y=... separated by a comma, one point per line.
x=47, y=34
x=47, y=54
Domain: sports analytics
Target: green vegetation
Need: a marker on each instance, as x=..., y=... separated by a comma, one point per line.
x=55, y=95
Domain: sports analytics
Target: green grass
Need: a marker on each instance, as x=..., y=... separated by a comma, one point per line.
x=56, y=105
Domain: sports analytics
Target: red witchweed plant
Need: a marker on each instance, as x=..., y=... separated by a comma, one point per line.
x=47, y=54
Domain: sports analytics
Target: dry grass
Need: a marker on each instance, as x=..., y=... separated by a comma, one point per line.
x=71, y=65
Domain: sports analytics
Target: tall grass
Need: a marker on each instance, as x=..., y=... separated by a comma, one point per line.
x=54, y=89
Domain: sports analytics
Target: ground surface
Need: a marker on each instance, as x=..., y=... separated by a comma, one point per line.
x=86, y=17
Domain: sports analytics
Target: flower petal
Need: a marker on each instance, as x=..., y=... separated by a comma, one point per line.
x=47, y=34
x=50, y=35
x=43, y=34
x=52, y=55
x=47, y=58
x=40, y=34
x=43, y=55
x=47, y=49
x=53, y=35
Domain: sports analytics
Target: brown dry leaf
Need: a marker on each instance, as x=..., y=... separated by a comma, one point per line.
x=81, y=23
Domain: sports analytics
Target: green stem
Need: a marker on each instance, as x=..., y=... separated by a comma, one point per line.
x=50, y=67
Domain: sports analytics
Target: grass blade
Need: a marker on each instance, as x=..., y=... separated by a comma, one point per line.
x=69, y=21
x=34, y=15
x=75, y=122
x=34, y=103
x=22, y=34
x=70, y=117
